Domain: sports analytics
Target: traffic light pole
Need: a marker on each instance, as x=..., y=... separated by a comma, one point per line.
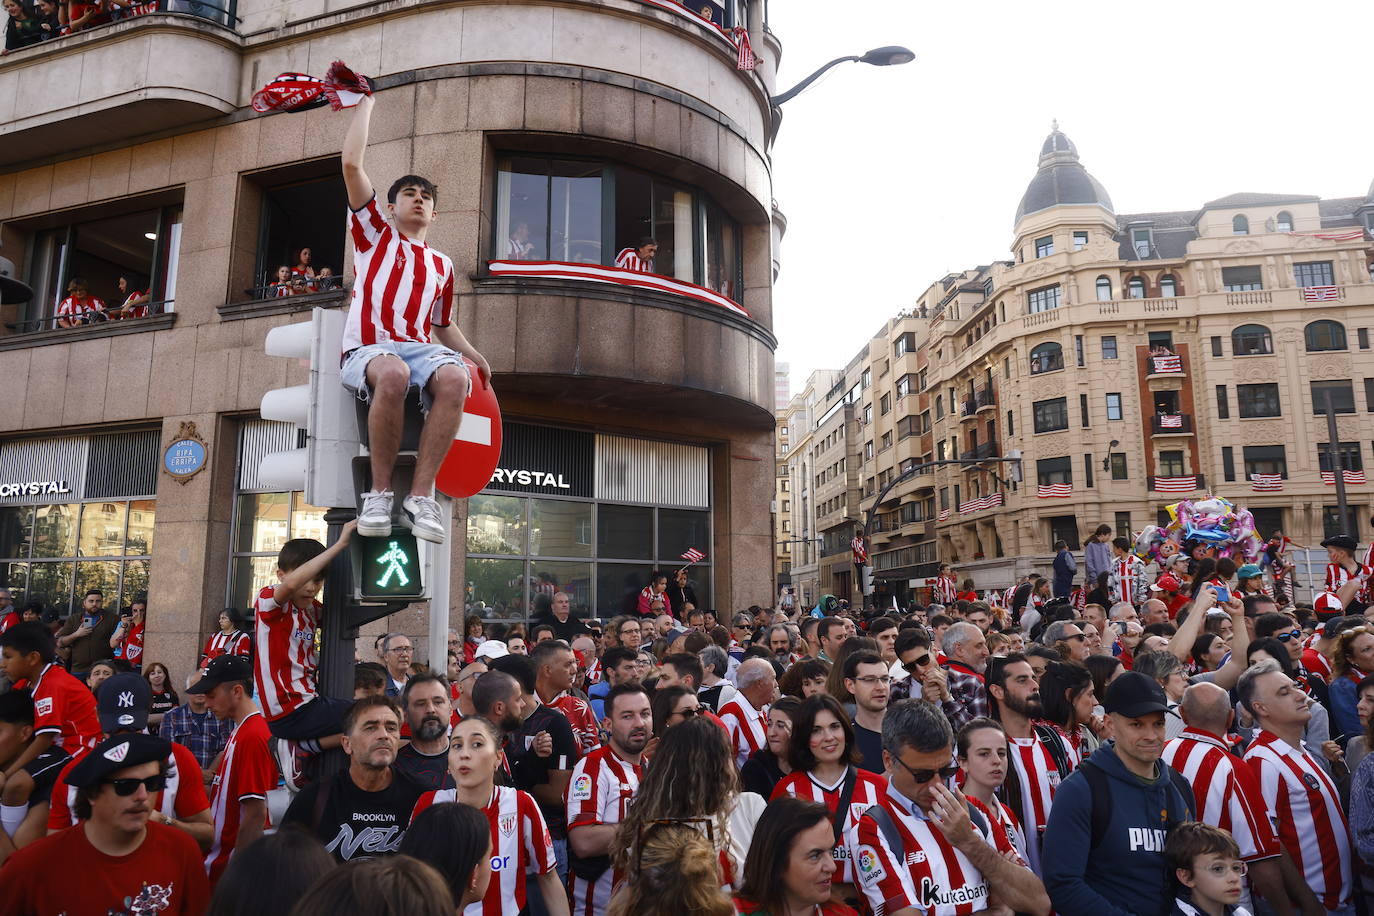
x=440, y=572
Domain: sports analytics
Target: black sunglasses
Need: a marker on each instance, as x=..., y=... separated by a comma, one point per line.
x=911, y=666
x=924, y=776
x=1289, y=636
x=127, y=787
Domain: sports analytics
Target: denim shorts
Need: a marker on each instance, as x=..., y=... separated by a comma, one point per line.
x=422, y=359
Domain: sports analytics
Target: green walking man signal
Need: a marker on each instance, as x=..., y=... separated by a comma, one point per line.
x=388, y=568
x=395, y=559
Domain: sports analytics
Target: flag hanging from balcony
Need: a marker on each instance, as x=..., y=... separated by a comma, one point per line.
x=1164, y=364
x=1347, y=236
x=1054, y=490
x=993, y=500
x=1321, y=293
x=558, y=270
x=746, y=59
x=1176, y=484
x=1329, y=478
x=692, y=555
x=1170, y=421
x=1266, y=483
x=944, y=515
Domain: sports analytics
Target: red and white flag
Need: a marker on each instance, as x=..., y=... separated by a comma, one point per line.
x=1321, y=293
x=1054, y=490
x=1166, y=364
x=692, y=555
x=943, y=516
x=1329, y=478
x=993, y=500
x=1170, y=421
x=1266, y=483
x=746, y=60
x=1176, y=484
x=601, y=274
x=1347, y=236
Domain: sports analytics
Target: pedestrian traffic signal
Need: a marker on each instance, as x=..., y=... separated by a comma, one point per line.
x=388, y=568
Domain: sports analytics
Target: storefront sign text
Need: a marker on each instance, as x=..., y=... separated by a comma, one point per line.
x=530, y=478
x=34, y=488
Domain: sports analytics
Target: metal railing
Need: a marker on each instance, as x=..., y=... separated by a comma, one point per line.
x=984, y=397
x=91, y=319
x=225, y=14
x=980, y=451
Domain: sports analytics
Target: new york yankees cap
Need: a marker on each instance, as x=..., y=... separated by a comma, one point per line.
x=122, y=703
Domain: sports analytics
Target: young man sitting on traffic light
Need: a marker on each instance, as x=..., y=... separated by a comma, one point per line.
x=402, y=301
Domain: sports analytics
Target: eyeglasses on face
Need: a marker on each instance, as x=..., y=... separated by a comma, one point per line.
x=689, y=712
x=127, y=787
x=924, y=776
x=874, y=680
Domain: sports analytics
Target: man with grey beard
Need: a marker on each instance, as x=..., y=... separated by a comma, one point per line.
x=428, y=713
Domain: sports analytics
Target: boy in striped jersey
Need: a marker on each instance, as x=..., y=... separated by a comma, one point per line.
x=402, y=302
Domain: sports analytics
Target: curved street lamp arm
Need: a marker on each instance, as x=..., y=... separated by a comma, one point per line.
x=777, y=100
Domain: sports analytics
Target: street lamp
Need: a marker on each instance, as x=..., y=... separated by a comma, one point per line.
x=887, y=56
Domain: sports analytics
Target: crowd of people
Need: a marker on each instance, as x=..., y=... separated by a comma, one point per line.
x=1185, y=744
x=80, y=307
x=301, y=278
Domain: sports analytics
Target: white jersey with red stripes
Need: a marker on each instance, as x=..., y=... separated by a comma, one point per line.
x=868, y=791
x=1226, y=791
x=235, y=642
x=579, y=714
x=1038, y=779
x=284, y=670
x=748, y=727
x=1306, y=812
x=401, y=287
x=945, y=589
x=76, y=306
x=629, y=259
x=520, y=843
x=928, y=875
x=1337, y=576
x=600, y=789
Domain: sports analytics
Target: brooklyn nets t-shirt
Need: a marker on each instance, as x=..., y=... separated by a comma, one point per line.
x=354, y=824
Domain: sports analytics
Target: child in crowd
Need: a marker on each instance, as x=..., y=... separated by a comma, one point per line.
x=286, y=666
x=282, y=286
x=24, y=801
x=1206, y=861
x=325, y=279
x=64, y=709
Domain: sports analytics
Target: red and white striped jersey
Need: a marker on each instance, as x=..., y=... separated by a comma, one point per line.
x=629, y=259
x=599, y=791
x=1317, y=664
x=868, y=791
x=1038, y=778
x=1000, y=816
x=945, y=587
x=594, y=672
x=583, y=721
x=520, y=842
x=235, y=643
x=748, y=727
x=246, y=771
x=285, y=667
x=1074, y=746
x=928, y=874
x=1128, y=579
x=1337, y=576
x=401, y=287
x=1227, y=793
x=76, y=306
x=1306, y=812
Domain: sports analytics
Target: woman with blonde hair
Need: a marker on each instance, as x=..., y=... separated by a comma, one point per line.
x=673, y=870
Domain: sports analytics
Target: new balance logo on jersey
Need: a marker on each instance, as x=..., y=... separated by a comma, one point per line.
x=368, y=841
x=1146, y=839
x=931, y=895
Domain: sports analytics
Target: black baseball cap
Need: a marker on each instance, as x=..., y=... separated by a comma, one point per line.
x=223, y=670
x=117, y=753
x=1133, y=695
x=122, y=703
x=1342, y=541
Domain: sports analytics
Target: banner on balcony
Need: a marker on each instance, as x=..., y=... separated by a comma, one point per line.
x=1347, y=236
x=1176, y=484
x=992, y=500
x=944, y=515
x=559, y=270
x=1054, y=490
x=1329, y=478
x=1266, y=483
x=1163, y=364
x=1321, y=293
x=1170, y=421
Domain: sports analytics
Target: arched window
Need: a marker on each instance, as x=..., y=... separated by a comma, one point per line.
x=1104, y=287
x=1284, y=221
x=1325, y=335
x=1240, y=225
x=1047, y=357
x=1168, y=288
x=1135, y=288
x=1251, y=340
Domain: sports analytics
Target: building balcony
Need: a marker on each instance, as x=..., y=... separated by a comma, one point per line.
x=175, y=65
x=1184, y=485
x=985, y=399
x=1175, y=424
x=39, y=332
x=968, y=410
x=980, y=452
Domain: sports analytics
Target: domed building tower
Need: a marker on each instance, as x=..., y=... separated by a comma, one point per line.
x=1062, y=205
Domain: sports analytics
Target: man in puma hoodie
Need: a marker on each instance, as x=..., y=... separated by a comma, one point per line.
x=1123, y=873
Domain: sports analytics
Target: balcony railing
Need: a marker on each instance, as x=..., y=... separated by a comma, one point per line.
x=979, y=452
x=1183, y=484
x=1171, y=424
x=91, y=319
x=984, y=398
x=224, y=14
x=969, y=408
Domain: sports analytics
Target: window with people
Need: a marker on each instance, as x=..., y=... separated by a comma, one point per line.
x=101, y=266
x=33, y=22
x=597, y=212
x=301, y=249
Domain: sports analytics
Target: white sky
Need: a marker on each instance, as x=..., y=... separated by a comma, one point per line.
x=891, y=177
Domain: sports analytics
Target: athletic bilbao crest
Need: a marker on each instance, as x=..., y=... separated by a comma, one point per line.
x=507, y=824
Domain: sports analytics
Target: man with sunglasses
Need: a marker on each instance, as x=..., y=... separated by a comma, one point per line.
x=921, y=850
x=918, y=672
x=115, y=860
x=1285, y=630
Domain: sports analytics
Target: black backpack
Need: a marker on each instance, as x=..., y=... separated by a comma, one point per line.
x=1102, y=800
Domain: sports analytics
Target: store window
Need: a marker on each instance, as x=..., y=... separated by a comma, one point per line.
x=263, y=522
x=302, y=215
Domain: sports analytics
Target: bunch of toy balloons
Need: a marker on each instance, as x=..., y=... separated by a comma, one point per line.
x=1213, y=523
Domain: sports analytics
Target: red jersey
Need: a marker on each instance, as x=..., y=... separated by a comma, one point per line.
x=520, y=843
x=232, y=643
x=748, y=727
x=583, y=721
x=1306, y=811
x=79, y=306
x=246, y=771
x=182, y=797
x=599, y=790
x=1337, y=576
x=401, y=287
x=132, y=646
x=629, y=259
x=868, y=790
x=1037, y=778
x=927, y=874
x=1317, y=664
x=135, y=311
x=64, y=708
x=1226, y=791
x=64, y=873
x=9, y=620
x=284, y=670
x=1000, y=817
x=945, y=590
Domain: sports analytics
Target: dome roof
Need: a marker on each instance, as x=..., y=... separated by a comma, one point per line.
x=1061, y=179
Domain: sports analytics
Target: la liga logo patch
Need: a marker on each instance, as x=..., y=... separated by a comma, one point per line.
x=870, y=866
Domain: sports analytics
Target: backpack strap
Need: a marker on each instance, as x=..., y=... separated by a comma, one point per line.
x=980, y=823
x=887, y=827
x=851, y=778
x=1100, y=794
x=1185, y=793
x=1050, y=739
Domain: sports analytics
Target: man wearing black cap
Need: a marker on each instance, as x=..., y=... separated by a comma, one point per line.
x=1112, y=815
x=122, y=706
x=246, y=771
x=114, y=862
x=1343, y=568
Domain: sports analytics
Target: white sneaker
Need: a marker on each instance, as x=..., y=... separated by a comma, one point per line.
x=375, y=519
x=424, y=519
